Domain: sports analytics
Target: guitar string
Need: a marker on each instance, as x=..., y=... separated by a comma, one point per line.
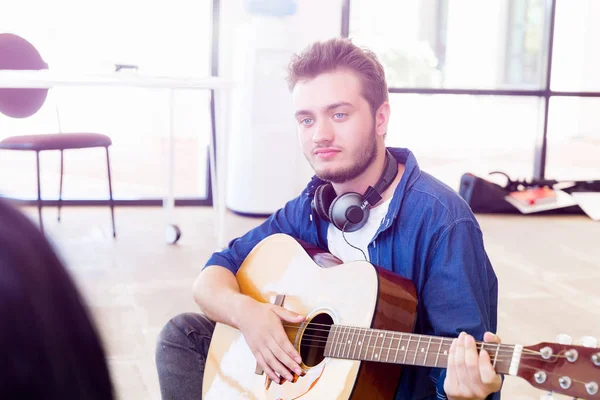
x=499, y=358
x=432, y=341
x=509, y=352
x=502, y=345
x=505, y=346
x=407, y=350
x=479, y=346
x=322, y=339
x=527, y=354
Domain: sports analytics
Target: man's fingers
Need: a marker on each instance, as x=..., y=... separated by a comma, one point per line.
x=261, y=361
x=283, y=356
x=490, y=337
x=489, y=377
x=284, y=342
x=276, y=365
x=472, y=361
x=459, y=361
x=451, y=378
x=288, y=315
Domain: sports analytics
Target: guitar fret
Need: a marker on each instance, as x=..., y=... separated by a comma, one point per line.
x=382, y=344
x=349, y=341
x=416, y=351
x=373, y=356
x=406, y=351
x=496, y=355
x=355, y=342
x=437, y=356
x=398, y=348
x=427, y=351
x=330, y=338
x=336, y=330
x=355, y=345
x=340, y=342
x=368, y=344
x=362, y=345
x=389, y=347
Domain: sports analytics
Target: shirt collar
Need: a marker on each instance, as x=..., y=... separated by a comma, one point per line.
x=412, y=172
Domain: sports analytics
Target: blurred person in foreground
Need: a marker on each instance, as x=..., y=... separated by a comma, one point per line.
x=50, y=346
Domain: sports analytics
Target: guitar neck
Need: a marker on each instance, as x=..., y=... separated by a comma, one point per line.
x=405, y=348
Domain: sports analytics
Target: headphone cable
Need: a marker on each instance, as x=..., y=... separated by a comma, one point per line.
x=351, y=245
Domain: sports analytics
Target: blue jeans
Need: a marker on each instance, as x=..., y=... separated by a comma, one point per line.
x=181, y=351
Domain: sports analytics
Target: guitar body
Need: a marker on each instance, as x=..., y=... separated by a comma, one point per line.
x=320, y=286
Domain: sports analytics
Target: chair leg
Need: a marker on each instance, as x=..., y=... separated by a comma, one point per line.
x=61, y=184
x=39, y=190
x=112, y=203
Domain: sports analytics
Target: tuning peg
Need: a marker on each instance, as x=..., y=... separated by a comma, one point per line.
x=588, y=341
x=563, y=338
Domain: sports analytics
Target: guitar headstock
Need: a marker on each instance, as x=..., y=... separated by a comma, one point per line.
x=563, y=368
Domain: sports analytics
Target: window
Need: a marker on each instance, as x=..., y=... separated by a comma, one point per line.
x=92, y=37
x=476, y=134
x=526, y=44
x=461, y=44
x=574, y=138
x=470, y=87
x=576, y=57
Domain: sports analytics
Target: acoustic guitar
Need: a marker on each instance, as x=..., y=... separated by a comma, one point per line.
x=357, y=334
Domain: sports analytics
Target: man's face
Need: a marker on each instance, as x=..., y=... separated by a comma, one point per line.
x=336, y=128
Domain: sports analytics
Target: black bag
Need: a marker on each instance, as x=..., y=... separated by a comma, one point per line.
x=484, y=196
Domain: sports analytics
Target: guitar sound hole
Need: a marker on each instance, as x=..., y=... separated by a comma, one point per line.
x=314, y=338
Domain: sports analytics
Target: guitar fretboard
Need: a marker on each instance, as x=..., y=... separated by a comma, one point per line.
x=403, y=348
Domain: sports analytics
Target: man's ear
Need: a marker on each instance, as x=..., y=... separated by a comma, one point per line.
x=382, y=117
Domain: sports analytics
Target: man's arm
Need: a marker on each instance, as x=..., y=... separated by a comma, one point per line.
x=217, y=293
x=460, y=295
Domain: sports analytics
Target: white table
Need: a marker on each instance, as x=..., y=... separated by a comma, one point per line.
x=46, y=79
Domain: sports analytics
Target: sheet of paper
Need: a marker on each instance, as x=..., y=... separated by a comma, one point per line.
x=589, y=203
x=563, y=199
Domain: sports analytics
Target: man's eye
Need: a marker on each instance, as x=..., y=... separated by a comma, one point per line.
x=306, y=121
x=339, y=115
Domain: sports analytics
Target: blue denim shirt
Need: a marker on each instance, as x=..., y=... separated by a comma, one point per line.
x=430, y=236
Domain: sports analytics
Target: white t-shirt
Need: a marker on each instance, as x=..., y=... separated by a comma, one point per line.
x=361, y=238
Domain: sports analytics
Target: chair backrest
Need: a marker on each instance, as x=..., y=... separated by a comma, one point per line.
x=18, y=53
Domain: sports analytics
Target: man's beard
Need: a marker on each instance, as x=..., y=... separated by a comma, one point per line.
x=366, y=155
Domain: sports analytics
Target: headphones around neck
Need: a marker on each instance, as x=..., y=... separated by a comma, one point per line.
x=350, y=211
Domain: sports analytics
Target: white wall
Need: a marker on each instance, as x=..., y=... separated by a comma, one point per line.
x=267, y=115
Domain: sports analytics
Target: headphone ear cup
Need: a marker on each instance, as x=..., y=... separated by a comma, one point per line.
x=345, y=207
x=324, y=196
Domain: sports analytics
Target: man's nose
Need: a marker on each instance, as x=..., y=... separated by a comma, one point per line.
x=323, y=132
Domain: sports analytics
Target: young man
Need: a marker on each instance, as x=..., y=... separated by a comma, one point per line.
x=420, y=229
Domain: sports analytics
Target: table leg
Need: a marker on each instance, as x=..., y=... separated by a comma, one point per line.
x=219, y=199
x=172, y=231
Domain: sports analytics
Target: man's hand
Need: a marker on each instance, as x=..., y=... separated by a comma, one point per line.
x=263, y=331
x=470, y=376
